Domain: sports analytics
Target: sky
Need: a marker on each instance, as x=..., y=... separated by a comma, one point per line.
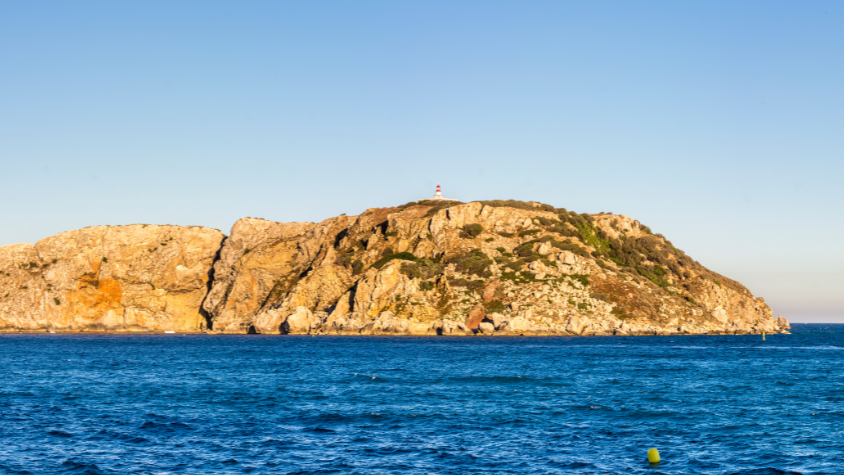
x=717, y=124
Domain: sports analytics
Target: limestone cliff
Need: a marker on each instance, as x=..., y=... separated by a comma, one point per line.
x=138, y=277
x=488, y=267
x=430, y=267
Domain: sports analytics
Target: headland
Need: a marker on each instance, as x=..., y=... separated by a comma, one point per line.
x=432, y=267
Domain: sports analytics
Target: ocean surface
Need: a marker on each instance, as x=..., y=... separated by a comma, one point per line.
x=205, y=404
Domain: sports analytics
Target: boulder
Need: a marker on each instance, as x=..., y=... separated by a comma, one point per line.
x=517, y=324
x=419, y=328
x=720, y=314
x=577, y=324
x=489, y=292
x=496, y=318
x=298, y=322
x=567, y=258
x=475, y=317
x=486, y=328
x=448, y=327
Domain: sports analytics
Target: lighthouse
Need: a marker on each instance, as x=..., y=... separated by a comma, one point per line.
x=439, y=194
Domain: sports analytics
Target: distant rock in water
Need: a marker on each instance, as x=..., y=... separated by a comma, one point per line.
x=428, y=267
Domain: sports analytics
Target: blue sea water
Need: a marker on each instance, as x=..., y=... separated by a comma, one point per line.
x=203, y=404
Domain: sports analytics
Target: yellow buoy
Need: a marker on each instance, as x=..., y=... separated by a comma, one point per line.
x=653, y=455
x=763, y=336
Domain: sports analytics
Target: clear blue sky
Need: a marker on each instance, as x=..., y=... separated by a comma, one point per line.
x=718, y=124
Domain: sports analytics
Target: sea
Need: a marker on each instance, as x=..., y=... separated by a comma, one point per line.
x=209, y=404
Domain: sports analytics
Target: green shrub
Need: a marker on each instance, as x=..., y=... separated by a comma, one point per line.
x=496, y=306
x=474, y=262
x=507, y=235
x=473, y=230
x=357, y=267
x=345, y=259
x=426, y=286
x=490, y=239
x=528, y=232
x=514, y=265
x=438, y=207
x=620, y=313
x=501, y=250
x=519, y=277
x=583, y=279
x=392, y=234
x=471, y=285
x=524, y=250
x=530, y=206
x=548, y=262
x=582, y=306
x=57, y=301
x=421, y=269
x=655, y=274
x=405, y=256
x=567, y=245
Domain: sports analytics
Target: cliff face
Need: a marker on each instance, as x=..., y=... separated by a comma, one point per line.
x=500, y=267
x=422, y=268
x=138, y=277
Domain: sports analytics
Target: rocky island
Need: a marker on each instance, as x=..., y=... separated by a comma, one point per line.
x=433, y=267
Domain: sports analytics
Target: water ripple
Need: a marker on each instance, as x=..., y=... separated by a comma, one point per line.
x=153, y=404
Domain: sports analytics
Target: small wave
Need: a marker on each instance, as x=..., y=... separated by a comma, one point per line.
x=58, y=433
x=72, y=466
x=318, y=430
x=765, y=471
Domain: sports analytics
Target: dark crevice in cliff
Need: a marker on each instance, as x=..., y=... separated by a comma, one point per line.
x=209, y=319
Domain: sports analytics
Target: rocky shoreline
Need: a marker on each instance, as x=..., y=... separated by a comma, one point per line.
x=501, y=268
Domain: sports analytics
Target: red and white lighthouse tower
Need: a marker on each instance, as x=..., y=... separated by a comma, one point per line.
x=439, y=194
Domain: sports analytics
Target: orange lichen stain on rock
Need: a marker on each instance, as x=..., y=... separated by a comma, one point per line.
x=93, y=298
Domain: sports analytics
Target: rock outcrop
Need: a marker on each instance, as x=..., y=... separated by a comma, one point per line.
x=120, y=278
x=427, y=268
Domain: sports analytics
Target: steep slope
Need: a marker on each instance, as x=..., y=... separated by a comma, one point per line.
x=489, y=267
x=121, y=278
